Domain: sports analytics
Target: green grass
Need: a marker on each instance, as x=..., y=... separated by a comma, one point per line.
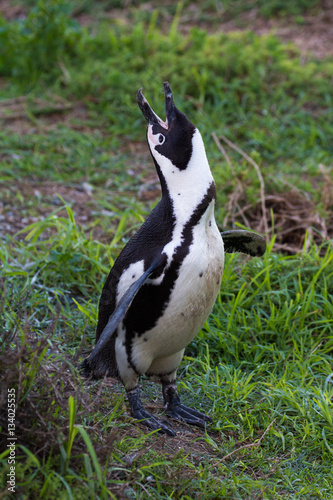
x=262, y=364
x=263, y=361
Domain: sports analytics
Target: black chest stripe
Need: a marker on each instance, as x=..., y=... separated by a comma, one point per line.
x=152, y=300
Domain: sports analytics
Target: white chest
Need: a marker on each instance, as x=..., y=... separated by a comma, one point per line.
x=194, y=292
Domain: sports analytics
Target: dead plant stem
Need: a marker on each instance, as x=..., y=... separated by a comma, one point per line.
x=254, y=164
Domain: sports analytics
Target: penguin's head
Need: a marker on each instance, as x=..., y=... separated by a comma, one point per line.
x=179, y=154
x=170, y=142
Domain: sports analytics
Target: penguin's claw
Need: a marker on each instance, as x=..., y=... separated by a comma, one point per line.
x=188, y=415
x=153, y=423
x=175, y=409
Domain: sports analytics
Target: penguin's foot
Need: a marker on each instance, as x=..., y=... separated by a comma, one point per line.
x=138, y=411
x=188, y=415
x=175, y=409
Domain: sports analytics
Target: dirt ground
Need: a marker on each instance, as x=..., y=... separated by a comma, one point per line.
x=314, y=35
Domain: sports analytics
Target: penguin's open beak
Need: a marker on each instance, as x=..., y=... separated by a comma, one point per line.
x=150, y=115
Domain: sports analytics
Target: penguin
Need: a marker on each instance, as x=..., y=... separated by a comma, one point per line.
x=164, y=283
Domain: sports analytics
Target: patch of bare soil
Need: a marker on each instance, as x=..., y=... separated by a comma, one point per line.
x=294, y=217
x=16, y=216
x=313, y=35
x=25, y=115
x=9, y=10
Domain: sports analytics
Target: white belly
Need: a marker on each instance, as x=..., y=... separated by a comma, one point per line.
x=192, y=298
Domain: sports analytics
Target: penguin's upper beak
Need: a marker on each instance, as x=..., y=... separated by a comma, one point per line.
x=150, y=115
x=169, y=104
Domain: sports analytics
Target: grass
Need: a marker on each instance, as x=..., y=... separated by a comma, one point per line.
x=72, y=163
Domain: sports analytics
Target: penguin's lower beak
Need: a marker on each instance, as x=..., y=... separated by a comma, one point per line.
x=150, y=115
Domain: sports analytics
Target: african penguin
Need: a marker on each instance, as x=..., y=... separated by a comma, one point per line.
x=165, y=281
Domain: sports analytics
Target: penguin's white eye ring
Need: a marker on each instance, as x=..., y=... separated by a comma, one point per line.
x=161, y=138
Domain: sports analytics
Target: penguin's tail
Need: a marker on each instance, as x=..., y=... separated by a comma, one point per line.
x=97, y=369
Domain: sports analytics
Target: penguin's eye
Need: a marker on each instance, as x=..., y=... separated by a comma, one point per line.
x=161, y=138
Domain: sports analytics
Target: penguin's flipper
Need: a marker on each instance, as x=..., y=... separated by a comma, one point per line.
x=89, y=365
x=240, y=240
